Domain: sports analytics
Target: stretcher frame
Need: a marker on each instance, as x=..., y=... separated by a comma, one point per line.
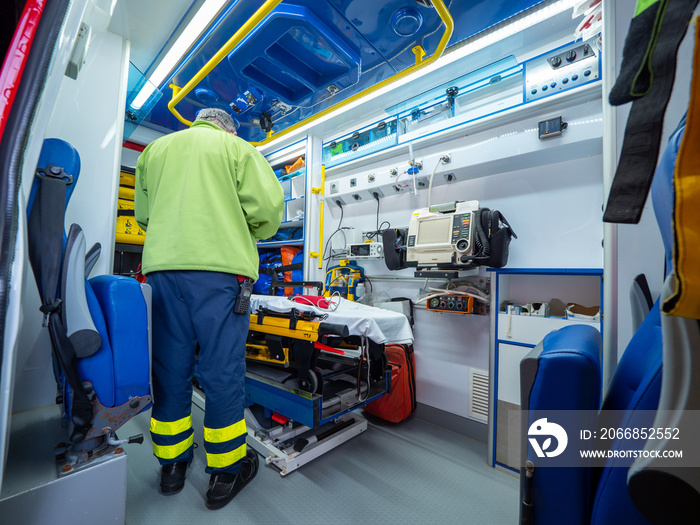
x=301, y=344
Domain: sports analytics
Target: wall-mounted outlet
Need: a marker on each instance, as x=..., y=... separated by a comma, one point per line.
x=338, y=201
x=446, y=158
x=334, y=187
x=422, y=182
x=393, y=172
x=376, y=193
x=371, y=177
x=353, y=182
x=357, y=196
x=450, y=177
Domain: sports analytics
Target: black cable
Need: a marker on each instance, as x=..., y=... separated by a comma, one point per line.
x=378, y=232
x=325, y=249
x=371, y=286
x=340, y=222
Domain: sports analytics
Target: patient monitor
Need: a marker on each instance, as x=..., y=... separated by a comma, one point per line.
x=442, y=235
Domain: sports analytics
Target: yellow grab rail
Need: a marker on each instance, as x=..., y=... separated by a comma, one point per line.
x=265, y=9
x=181, y=93
x=320, y=227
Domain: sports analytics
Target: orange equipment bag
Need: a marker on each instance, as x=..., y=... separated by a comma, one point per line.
x=288, y=253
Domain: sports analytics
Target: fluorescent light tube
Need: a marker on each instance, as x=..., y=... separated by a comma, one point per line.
x=192, y=32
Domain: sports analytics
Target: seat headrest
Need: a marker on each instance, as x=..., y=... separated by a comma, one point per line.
x=662, y=192
x=58, y=152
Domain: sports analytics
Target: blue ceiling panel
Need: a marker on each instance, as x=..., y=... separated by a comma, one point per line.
x=310, y=54
x=296, y=56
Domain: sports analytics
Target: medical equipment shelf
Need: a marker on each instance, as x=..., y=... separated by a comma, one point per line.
x=513, y=336
x=294, y=187
x=276, y=244
x=472, y=99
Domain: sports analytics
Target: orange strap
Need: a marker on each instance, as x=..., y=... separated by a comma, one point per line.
x=685, y=302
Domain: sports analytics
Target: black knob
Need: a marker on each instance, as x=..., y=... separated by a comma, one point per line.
x=555, y=61
x=571, y=56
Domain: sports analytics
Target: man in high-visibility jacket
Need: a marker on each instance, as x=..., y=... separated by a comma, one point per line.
x=204, y=196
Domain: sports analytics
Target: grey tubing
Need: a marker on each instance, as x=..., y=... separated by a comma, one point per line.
x=80, y=328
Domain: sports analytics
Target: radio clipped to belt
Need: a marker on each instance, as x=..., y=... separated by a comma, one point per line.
x=245, y=290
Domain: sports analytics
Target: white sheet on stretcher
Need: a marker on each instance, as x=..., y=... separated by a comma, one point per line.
x=381, y=326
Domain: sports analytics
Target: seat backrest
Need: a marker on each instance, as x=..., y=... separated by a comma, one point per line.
x=102, y=336
x=635, y=388
x=588, y=495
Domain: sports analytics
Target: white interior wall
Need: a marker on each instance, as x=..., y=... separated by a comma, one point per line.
x=556, y=211
x=129, y=157
x=88, y=113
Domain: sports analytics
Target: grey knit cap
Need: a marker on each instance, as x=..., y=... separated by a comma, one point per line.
x=218, y=117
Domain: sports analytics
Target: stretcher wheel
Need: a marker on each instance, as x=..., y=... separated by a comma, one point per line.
x=312, y=384
x=314, y=381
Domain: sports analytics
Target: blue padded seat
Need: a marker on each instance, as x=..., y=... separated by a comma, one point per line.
x=587, y=495
x=110, y=312
x=561, y=373
x=125, y=342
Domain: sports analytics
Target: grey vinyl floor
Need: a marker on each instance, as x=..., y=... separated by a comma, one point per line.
x=411, y=472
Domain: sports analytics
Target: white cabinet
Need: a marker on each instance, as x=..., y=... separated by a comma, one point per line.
x=513, y=336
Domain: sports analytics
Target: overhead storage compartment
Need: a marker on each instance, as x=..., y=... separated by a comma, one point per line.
x=294, y=55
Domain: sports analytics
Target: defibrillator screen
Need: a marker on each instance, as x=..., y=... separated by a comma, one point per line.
x=435, y=231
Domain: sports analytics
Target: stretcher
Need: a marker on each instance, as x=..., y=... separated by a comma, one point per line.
x=308, y=368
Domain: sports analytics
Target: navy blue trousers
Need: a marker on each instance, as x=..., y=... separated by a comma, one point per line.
x=191, y=307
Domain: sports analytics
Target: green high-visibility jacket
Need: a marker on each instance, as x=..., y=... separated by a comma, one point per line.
x=204, y=196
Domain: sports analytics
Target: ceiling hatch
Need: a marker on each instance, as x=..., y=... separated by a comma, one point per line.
x=292, y=54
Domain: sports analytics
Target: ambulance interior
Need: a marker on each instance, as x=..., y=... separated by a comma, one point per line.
x=446, y=167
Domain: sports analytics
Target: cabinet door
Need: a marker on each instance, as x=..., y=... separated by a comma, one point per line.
x=531, y=330
x=508, y=404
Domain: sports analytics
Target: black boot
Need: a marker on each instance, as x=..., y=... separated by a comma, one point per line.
x=223, y=486
x=172, y=478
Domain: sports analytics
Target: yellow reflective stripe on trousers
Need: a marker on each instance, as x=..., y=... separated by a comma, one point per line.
x=172, y=428
x=227, y=458
x=172, y=451
x=221, y=435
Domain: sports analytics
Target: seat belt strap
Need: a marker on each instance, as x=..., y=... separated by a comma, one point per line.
x=45, y=236
x=640, y=147
x=685, y=299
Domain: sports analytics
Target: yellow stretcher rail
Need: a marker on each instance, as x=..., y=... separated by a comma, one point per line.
x=305, y=330
x=265, y=9
x=262, y=353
